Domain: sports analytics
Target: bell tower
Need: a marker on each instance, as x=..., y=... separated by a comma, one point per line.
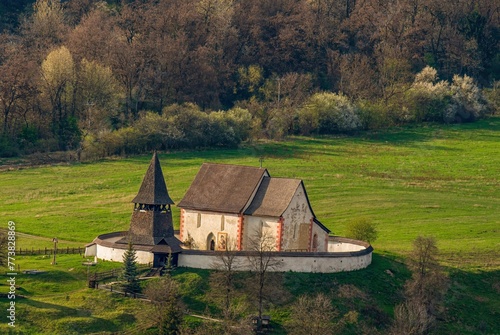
x=151, y=222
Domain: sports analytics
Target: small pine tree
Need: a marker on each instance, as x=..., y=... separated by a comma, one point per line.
x=130, y=273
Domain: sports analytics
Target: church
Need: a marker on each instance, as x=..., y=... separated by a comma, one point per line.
x=234, y=208
x=230, y=207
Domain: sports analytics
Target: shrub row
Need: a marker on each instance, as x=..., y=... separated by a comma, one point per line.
x=186, y=126
x=179, y=126
x=425, y=100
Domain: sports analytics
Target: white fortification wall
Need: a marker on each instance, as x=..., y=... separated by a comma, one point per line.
x=104, y=247
x=343, y=255
x=355, y=255
x=325, y=263
x=116, y=254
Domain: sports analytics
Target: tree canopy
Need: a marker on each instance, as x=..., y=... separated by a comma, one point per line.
x=87, y=67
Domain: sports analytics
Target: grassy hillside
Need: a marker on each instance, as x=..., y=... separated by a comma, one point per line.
x=57, y=301
x=440, y=181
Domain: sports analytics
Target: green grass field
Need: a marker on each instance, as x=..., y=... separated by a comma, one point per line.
x=433, y=180
x=440, y=181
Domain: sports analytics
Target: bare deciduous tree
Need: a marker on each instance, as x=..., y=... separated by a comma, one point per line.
x=17, y=86
x=424, y=291
x=166, y=312
x=411, y=318
x=262, y=261
x=223, y=279
x=46, y=27
x=312, y=315
x=428, y=283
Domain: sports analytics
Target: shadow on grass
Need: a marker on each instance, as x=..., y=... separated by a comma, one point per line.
x=369, y=294
x=193, y=286
x=472, y=304
x=326, y=145
x=426, y=132
x=383, y=275
x=410, y=136
x=81, y=320
x=51, y=282
x=54, y=276
x=62, y=311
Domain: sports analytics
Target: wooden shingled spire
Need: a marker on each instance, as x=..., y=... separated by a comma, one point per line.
x=151, y=222
x=153, y=189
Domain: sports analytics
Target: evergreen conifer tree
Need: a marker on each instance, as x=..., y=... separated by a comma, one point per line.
x=130, y=273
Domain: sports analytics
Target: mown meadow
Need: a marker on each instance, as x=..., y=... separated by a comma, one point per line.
x=440, y=181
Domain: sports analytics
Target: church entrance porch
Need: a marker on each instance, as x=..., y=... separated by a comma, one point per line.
x=161, y=260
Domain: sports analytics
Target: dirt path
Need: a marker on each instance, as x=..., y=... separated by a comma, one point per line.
x=40, y=238
x=37, y=160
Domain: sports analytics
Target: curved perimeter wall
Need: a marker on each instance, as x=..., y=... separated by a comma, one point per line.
x=104, y=247
x=356, y=255
x=343, y=255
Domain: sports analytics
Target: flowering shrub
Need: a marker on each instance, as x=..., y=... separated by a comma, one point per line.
x=432, y=100
x=180, y=126
x=427, y=99
x=328, y=113
x=467, y=103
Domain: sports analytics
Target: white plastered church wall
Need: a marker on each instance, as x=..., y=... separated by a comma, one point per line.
x=255, y=225
x=200, y=225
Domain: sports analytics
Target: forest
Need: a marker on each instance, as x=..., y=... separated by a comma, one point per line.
x=119, y=77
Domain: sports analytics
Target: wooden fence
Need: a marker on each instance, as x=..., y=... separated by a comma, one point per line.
x=96, y=277
x=117, y=289
x=50, y=251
